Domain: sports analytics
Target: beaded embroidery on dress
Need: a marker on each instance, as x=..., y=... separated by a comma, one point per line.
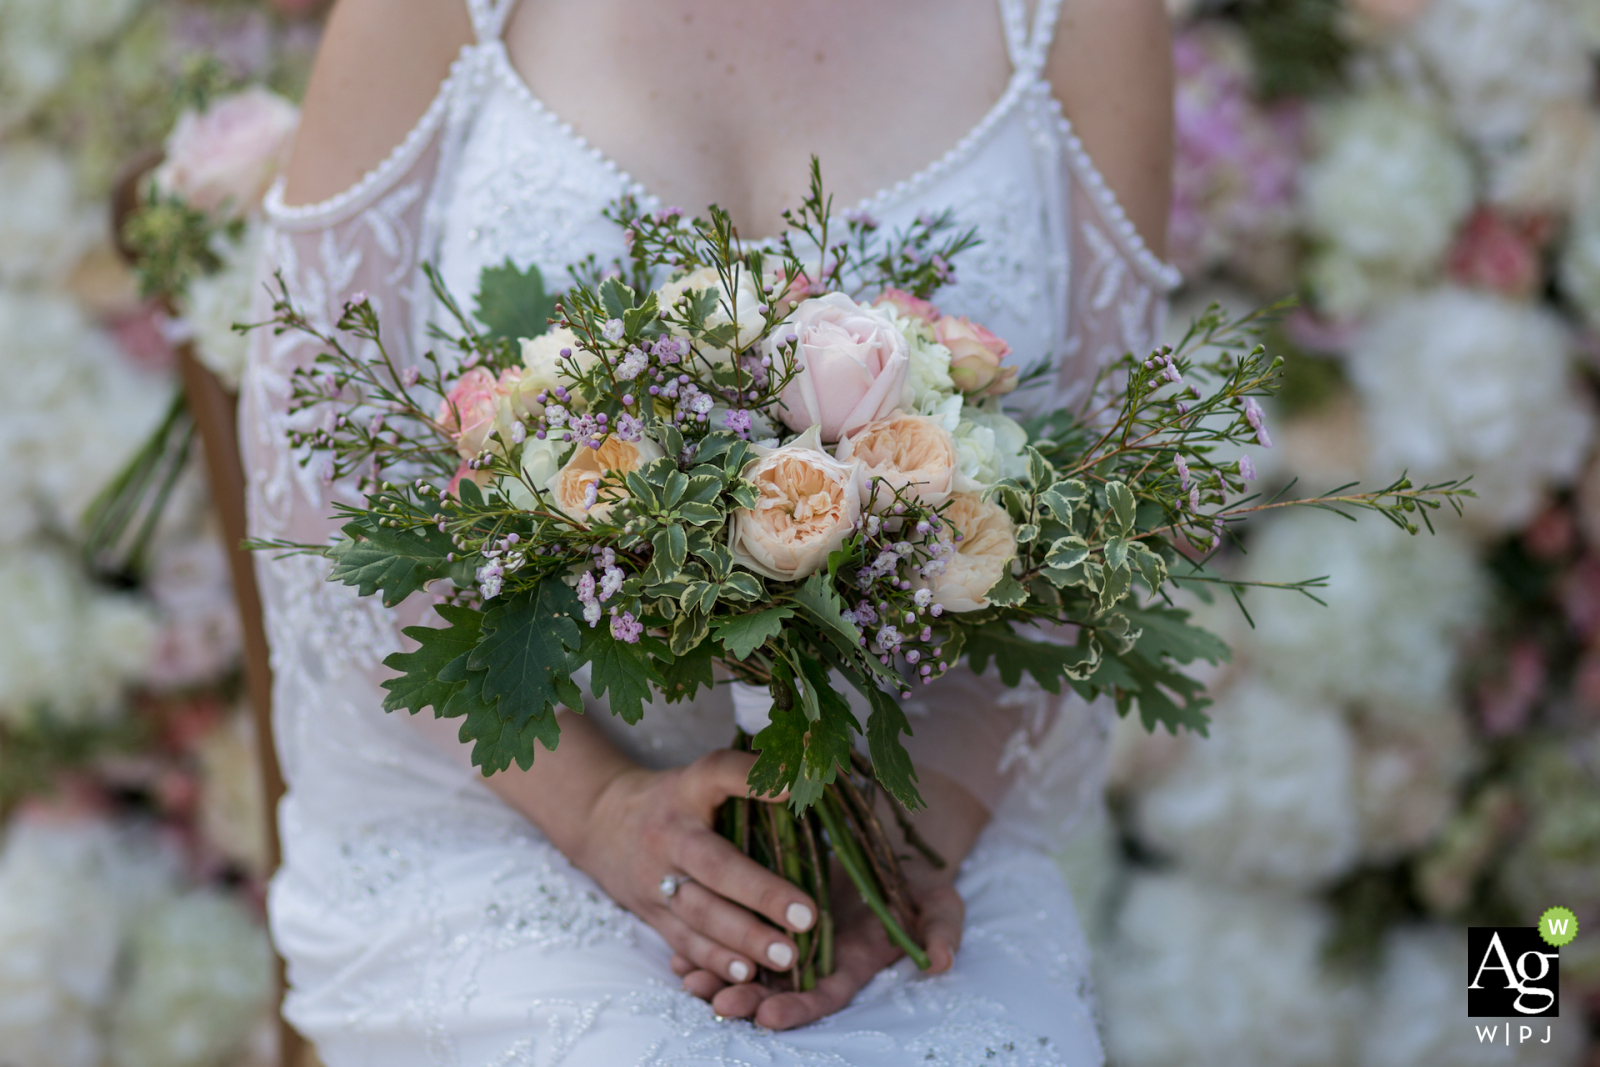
x=423, y=921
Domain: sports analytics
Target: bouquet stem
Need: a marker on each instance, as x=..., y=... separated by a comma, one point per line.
x=801, y=847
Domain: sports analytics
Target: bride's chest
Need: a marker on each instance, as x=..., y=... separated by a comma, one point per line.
x=525, y=187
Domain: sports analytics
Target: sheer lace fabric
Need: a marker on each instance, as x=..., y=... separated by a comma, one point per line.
x=425, y=922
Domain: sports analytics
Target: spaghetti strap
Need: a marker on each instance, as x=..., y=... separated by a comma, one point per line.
x=489, y=17
x=1029, y=47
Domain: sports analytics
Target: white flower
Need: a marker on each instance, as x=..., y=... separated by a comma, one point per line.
x=38, y=39
x=72, y=413
x=1398, y=607
x=1457, y=383
x=200, y=978
x=1204, y=976
x=928, y=379
x=213, y=303
x=44, y=228
x=67, y=891
x=1419, y=1018
x=1382, y=197
x=543, y=362
x=1579, y=271
x=1500, y=62
x=1267, y=798
x=64, y=646
x=1549, y=168
x=989, y=447
x=744, y=304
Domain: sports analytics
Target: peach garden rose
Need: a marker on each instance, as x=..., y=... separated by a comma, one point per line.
x=809, y=503
x=982, y=557
x=852, y=363
x=576, y=486
x=913, y=453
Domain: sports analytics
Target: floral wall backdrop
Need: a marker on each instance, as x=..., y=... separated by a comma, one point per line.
x=132, y=850
x=1420, y=755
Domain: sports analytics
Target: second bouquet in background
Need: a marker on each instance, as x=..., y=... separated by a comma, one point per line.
x=782, y=462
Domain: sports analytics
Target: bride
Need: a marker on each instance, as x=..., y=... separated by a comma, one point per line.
x=583, y=912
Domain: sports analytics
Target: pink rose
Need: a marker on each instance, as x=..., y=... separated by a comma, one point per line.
x=911, y=453
x=908, y=306
x=467, y=412
x=1493, y=252
x=223, y=160
x=852, y=365
x=975, y=356
x=809, y=503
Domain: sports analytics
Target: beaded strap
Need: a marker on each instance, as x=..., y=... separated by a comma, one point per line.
x=489, y=17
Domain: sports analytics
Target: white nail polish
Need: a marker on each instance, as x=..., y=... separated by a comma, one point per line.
x=799, y=916
x=740, y=970
x=780, y=954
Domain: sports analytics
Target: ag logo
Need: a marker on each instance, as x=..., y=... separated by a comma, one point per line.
x=1511, y=971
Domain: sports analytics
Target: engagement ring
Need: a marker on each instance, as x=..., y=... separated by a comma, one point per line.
x=670, y=884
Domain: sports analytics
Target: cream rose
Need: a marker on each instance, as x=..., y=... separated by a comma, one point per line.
x=745, y=302
x=224, y=159
x=983, y=556
x=852, y=362
x=571, y=486
x=546, y=367
x=913, y=453
x=975, y=355
x=809, y=503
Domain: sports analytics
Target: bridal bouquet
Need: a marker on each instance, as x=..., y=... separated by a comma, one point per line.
x=784, y=462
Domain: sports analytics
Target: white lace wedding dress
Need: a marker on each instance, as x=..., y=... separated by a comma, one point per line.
x=425, y=922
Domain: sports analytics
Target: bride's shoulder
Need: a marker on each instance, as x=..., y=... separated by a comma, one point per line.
x=379, y=67
x=1111, y=67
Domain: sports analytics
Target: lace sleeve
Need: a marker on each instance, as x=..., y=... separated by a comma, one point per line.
x=370, y=239
x=1037, y=759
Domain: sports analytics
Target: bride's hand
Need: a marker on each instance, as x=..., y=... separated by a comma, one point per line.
x=861, y=950
x=647, y=824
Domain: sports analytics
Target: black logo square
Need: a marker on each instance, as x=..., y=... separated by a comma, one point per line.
x=1511, y=972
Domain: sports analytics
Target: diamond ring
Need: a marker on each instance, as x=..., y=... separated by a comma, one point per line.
x=671, y=883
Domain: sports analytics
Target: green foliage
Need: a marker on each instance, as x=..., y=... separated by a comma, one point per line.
x=396, y=563
x=431, y=675
x=743, y=634
x=173, y=244
x=512, y=304
x=627, y=671
x=890, y=761
x=1296, y=44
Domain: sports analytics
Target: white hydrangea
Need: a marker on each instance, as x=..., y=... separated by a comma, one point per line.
x=1457, y=382
x=1419, y=1018
x=1406, y=778
x=215, y=302
x=1579, y=270
x=989, y=446
x=1266, y=798
x=1397, y=608
x=44, y=228
x=63, y=645
x=1207, y=976
x=72, y=413
x=38, y=39
x=63, y=893
x=200, y=978
x=1382, y=198
x=1499, y=63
